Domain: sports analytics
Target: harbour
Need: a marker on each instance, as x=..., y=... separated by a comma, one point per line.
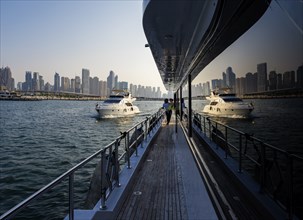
x=38, y=144
x=91, y=150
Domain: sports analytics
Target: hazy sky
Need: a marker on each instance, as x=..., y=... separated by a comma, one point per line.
x=66, y=36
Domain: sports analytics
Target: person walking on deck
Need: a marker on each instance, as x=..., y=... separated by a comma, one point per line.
x=168, y=112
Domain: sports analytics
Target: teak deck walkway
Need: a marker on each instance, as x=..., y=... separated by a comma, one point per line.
x=168, y=184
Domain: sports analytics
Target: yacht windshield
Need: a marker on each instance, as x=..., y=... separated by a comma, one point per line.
x=231, y=99
x=112, y=101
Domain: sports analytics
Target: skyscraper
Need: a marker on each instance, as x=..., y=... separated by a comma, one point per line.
x=230, y=78
x=95, y=86
x=77, y=84
x=28, y=81
x=111, y=81
x=116, y=83
x=224, y=79
x=251, y=82
x=289, y=79
x=262, y=77
x=6, y=79
x=103, y=88
x=56, y=82
x=72, y=85
x=300, y=76
x=272, y=80
x=41, y=83
x=124, y=85
x=85, y=81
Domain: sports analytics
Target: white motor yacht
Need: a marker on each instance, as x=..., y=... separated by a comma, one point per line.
x=227, y=104
x=120, y=103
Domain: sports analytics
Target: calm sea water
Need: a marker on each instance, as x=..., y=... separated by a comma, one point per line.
x=40, y=140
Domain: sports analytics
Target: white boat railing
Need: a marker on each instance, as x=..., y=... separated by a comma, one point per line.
x=111, y=164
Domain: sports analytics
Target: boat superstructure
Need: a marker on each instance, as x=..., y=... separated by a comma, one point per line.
x=119, y=103
x=185, y=36
x=227, y=104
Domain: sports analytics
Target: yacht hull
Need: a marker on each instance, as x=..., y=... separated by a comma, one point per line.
x=242, y=110
x=116, y=111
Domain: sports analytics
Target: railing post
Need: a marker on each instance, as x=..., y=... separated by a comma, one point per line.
x=103, y=188
x=217, y=145
x=127, y=150
x=117, y=163
x=204, y=125
x=190, y=127
x=136, y=149
x=226, y=143
x=209, y=129
x=290, y=186
x=71, y=196
x=263, y=168
x=146, y=130
x=240, y=153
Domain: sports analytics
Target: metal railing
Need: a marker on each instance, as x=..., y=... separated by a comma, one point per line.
x=275, y=170
x=111, y=165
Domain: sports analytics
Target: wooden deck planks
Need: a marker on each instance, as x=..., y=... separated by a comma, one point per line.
x=160, y=182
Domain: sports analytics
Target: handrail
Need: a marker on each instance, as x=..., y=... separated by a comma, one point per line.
x=255, y=153
x=109, y=163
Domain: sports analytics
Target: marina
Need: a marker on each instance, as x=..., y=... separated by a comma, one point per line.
x=70, y=147
x=128, y=158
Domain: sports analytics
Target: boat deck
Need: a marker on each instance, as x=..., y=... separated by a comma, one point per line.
x=168, y=185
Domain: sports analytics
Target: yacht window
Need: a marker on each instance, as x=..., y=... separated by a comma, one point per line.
x=213, y=103
x=116, y=96
x=231, y=99
x=128, y=104
x=112, y=101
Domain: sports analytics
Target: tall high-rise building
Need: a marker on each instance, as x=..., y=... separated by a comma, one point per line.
x=251, y=82
x=111, y=81
x=95, y=86
x=103, y=88
x=91, y=85
x=41, y=83
x=72, y=85
x=85, y=81
x=56, y=82
x=123, y=85
x=6, y=79
x=116, y=83
x=279, y=81
x=230, y=78
x=224, y=80
x=206, y=89
x=262, y=77
x=65, y=84
x=240, y=87
x=35, y=81
x=300, y=76
x=158, y=93
x=272, y=80
x=48, y=87
x=77, y=84
x=289, y=79
x=28, y=81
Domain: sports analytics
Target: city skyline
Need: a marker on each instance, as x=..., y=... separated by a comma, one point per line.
x=64, y=37
x=260, y=81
